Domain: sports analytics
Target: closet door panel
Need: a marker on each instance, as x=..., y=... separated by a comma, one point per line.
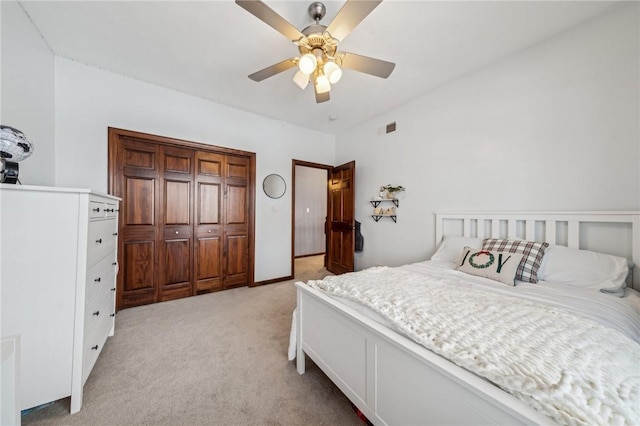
x=177, y=161
x=237, y=168
x=177, y=197
x=175, y=266
x=176, y=253
x=177, y=259
x=236, y=205
x=236, y=225
x=208, y=259
x=140, y=201
x=139, y=265
x=236, y=260
x=209, y=164
x=209, y=201
x=139, y=188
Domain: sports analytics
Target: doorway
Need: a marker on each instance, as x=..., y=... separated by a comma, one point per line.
x=337, y=227
x=309, y=214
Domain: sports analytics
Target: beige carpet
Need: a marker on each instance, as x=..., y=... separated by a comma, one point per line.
x=215, y=359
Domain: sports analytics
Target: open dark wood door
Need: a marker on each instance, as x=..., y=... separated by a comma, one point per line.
x=341, y=220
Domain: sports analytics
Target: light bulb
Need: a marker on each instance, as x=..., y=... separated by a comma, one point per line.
x=322, y=84
x=301, y=79
x=333, y=72
x=307, y=63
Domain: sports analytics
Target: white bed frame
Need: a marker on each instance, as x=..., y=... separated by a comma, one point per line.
x=395, y=381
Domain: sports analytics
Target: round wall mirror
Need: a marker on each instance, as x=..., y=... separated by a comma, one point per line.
x=274, y=186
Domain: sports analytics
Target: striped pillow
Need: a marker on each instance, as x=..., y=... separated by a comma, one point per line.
x=532, y=255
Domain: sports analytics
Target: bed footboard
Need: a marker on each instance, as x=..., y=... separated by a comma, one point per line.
x=391, y=379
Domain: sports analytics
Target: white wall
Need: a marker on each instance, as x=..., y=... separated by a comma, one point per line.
x=89, y=100
x=554, y=127
x=28, y=91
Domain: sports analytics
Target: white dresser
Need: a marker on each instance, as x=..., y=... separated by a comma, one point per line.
x=57, y=279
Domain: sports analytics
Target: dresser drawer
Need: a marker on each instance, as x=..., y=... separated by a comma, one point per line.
x=97, y=210
x=102, y=239
x=93, y=343
x=100, y=275
x=98, y=310
x=111, y=209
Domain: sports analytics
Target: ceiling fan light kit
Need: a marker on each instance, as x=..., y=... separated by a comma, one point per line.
x=333, y=72
x=307, y=63
x=319, y=59
x=301, y=79
x=322, y=84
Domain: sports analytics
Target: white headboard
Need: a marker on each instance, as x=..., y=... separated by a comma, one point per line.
x=564, y=228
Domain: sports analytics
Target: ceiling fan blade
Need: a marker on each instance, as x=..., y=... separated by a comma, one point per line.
x=273, y=70
x=367, y=65
x=351, y=14
x=271, y=18
x=321, y=97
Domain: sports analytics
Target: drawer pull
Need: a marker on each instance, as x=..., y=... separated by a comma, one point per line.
x=97, y=210
x=113, y=289
x=177, y=232
x=115, y=234
x=95, y=348
x=99, y=241
x=96, y=313
x=114, y=263
x=109, y=210
x=98, y=280
x=209, y=231
x=113, y=314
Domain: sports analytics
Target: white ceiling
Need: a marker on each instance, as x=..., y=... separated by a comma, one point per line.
x=207, y=48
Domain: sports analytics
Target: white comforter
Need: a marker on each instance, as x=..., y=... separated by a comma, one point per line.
x=574, y=369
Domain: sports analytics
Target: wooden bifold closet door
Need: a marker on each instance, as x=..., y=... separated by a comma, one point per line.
x=187, y=215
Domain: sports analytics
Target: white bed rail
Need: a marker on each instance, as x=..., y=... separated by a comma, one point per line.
x=571, y=229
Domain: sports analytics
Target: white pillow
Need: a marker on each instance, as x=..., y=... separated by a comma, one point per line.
x=451, y=246
x=584, y=268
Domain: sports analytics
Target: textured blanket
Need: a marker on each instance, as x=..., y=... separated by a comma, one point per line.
x=570, y=368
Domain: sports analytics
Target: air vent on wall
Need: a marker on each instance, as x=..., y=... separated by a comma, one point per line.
x=391, y=127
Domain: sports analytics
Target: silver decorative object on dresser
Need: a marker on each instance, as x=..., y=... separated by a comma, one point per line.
x=58, y=274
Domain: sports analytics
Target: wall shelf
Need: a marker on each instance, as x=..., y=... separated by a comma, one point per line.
x=379, y=213
x=377, y=217
x=376, y=203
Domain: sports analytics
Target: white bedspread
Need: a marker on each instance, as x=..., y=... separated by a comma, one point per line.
x=575, y=370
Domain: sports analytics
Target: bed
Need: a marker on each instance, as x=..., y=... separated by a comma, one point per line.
x=383, y=365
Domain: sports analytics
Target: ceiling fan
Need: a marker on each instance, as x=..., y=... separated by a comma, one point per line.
x=320, y=62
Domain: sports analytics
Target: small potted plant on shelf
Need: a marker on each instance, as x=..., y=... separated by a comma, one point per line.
x=390, y=190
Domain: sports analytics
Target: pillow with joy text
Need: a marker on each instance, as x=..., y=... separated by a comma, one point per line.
x=497, y=266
